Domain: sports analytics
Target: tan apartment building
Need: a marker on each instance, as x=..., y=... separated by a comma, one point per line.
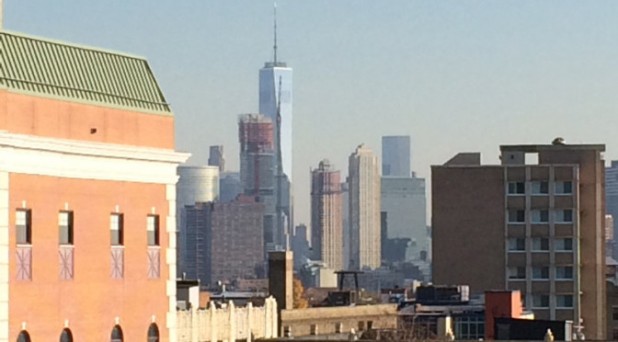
x=535, y=224
x=326, y=216
x=364, y=209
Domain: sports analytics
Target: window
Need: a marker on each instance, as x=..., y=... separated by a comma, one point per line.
x=66, y=335
x=564, y=215
x=23, y=226
x=615, y=313
x=517, y=273
x=539, y=216
x=338, y=328
x=152, y=228
x=540, y=188
x=116, y=226
x=516, y=188
x=313, y=329
x=565, y=244
x=540, y=244
x=564, y=301
x=369, y=325
x=540, y=301
x=564, y=272
x=23, y=336
x=117, y=335
x=564, y=188
x=517, y=244
x=517, y=216
x=153, y=333
x=65, y=227
x=540, y=273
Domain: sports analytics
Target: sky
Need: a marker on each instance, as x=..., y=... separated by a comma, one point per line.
x=457, y=76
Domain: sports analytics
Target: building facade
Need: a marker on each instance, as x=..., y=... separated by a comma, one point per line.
x=195, y=184
x=226, y=240
x=88, y=151
x=550, y=242
x=326, y=216
x=364, y=206
x=396, y=156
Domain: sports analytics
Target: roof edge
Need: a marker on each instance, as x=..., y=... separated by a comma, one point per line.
x=69, y=44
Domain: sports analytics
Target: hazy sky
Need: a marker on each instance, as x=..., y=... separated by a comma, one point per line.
x=455, y=75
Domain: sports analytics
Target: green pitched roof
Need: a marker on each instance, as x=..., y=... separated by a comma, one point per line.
x=57, y=69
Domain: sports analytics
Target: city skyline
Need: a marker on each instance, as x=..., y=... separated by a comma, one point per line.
x=461, y=72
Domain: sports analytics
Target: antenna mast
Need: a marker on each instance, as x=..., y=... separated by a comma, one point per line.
x=275, y=33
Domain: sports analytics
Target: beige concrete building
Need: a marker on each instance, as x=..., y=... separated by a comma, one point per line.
x=326, y=218
x=364, y=206
x=535, y=223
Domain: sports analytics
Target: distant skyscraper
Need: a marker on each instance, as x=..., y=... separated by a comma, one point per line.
x=195, y=184
x=396, y=156
x=216, y=157
x=257, y=174
x=326, y=219
x=229, y=186
x=403, y=202
x=611, y=197
x=300, y=245
x=275, y=79
x=364, y=205
x=345, y=213
x=224, y=240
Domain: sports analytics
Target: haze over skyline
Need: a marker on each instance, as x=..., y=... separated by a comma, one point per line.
x=454, y=75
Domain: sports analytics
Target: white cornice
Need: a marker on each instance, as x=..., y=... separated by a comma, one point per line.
x=87, y=160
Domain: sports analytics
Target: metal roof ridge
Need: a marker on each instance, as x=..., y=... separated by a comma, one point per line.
x=69, y=44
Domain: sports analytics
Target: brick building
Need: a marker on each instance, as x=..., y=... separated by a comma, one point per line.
x=224, y=240
x=87, y=190
x=535, y=224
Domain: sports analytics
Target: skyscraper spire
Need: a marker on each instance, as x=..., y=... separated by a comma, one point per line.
x=275, y=33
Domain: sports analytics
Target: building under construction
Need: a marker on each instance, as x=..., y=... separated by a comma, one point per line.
x=257, y=168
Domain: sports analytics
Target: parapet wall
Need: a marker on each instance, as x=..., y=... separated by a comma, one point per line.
x=341, y=319
x=228, y=323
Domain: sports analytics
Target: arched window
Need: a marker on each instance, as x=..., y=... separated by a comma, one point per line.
x=66, y=335
x=117, y=334
x=23, y=336
x=153, y=333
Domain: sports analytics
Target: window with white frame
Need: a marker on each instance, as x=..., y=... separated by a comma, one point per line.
x=564, y=301
x=516, y=188
x=23, y=226
x=517, y=273
x=563, y=187
x=564, y=272
x=152, y=230
x=563, y=215
x=540, y=244
x=116, y=223
x=540, y=301
x=563, y=244
x=540, y=273
x=539, y=216
x=517, y=244
x=65, y=227
x=540, y=188
x=517, y=216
